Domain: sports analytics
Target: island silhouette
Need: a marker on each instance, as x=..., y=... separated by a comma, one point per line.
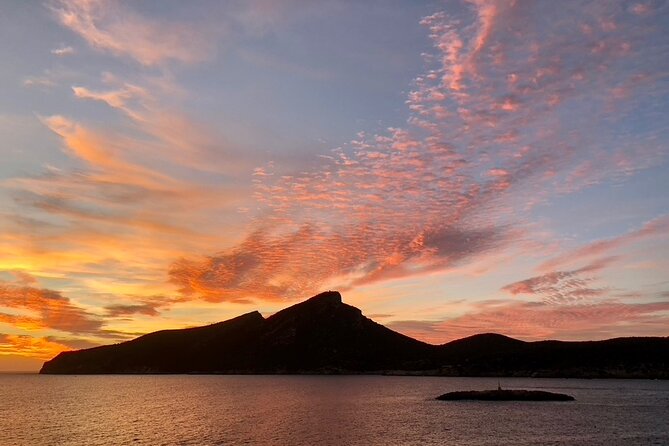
x=323, y=335
x=500, y=394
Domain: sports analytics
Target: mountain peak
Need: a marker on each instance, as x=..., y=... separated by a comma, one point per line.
x=332, y=297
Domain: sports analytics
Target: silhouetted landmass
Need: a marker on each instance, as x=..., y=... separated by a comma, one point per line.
x=497, y=355
x=324, y=335
x=505, y=395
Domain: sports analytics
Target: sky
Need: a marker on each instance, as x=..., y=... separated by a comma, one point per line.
x=451, y=167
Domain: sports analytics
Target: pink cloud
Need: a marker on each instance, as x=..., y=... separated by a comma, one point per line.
x=111, y=26
x=654, y=228
x=563, y=286
x=483, y=145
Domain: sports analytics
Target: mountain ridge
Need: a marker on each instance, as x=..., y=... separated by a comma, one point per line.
x=323, y=335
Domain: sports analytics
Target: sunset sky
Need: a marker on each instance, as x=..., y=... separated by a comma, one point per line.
x=452, y=167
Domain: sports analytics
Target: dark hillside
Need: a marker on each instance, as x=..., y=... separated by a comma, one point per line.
x=324, y=335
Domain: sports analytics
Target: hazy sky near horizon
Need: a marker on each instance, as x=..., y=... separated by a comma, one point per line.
x=452, y=167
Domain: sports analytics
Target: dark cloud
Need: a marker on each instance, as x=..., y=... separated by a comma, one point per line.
x=147, y=309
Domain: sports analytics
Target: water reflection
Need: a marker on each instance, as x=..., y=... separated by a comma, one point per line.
x=333, y=410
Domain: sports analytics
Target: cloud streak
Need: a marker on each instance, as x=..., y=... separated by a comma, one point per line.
x=112, y=27
x=658, y=227
x=560, y=287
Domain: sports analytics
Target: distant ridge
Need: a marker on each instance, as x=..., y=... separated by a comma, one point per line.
x=323, y=335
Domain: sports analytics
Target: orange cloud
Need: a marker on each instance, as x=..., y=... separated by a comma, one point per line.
x=82, y=222
x=102, y=153
x=51, y=309
x=169, y=133
x=29, y=346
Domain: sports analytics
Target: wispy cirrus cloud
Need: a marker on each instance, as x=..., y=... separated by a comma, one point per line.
x=658, y=227
x=113, y=27
x=99, y=152
x=167, y=132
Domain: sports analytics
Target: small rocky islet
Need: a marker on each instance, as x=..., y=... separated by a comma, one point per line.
x=505, y=395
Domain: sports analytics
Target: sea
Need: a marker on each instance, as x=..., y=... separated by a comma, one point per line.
x=323, y=410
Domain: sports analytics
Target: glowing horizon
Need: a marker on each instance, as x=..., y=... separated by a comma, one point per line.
x=451, y=167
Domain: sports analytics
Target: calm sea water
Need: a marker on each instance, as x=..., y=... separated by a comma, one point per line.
x=329, y=410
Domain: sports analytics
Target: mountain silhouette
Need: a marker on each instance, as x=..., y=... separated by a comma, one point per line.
x=325, y=335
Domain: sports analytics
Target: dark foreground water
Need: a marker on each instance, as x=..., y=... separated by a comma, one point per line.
x=329, y=410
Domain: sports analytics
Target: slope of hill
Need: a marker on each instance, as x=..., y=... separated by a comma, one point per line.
x=497, y=355
x=320, y=335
